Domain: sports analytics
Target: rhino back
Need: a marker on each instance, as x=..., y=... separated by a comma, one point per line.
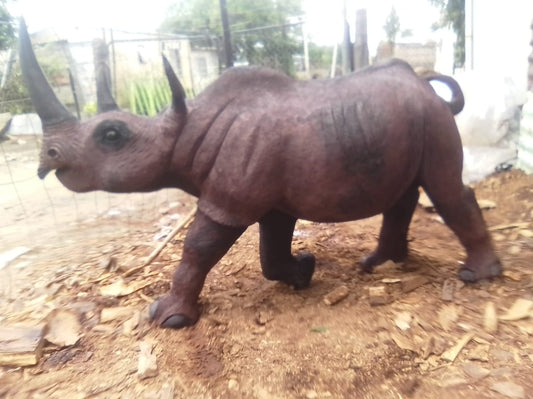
x=321, y=150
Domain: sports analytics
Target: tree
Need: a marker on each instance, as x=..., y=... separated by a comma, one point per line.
x=261, y=30
x=453, y=15
x=7, y=33
x=392, y=26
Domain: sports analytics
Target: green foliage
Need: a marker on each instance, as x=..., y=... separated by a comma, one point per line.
x=90, y=109
x=453, y=15
x=13, y=97
x=7, y=32
x=320, y=56
x=272, y=47
x=149, y=98
x=392, y=26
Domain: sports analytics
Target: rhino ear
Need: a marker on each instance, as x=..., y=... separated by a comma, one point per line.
x=178, y=94
x=44, y=100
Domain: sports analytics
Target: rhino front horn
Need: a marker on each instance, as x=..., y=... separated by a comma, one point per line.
x=46, y=104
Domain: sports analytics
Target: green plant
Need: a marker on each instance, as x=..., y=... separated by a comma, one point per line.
x=149, y=98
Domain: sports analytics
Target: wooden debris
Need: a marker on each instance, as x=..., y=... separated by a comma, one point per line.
x=64, y=328
x=480, y=352
x=448, y=290
x=521, y=225
x=120, y=288
x=378, y=296
x=147, y=366
x=475, y=371
x=403, y=320
x=519, y=310
x=117, y=313
x=490, y=319
x=132, y=323
x=404, y=343
x=337, y=295
x=448, y=316
x=21, y=346
x=486, y=204
x=451, y=354
x=411, y=283
x=160, y=247
x=509, y=389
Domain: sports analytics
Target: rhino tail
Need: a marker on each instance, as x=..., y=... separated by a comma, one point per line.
x=457, y=102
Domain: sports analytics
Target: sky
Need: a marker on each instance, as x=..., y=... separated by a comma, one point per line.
x=324, y=17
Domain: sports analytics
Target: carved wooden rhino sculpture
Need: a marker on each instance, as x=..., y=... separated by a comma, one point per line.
x=258, y=146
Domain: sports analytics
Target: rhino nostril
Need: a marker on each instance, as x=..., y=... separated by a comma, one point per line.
x=52, y=153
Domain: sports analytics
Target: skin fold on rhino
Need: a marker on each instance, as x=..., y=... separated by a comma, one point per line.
x=258, y=146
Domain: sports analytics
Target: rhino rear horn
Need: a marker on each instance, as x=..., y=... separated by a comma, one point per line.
x=178, y=93
x=104, y=98
x=46, y=104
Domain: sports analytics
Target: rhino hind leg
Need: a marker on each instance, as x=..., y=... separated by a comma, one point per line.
x=392, y=243
x=206, y=242
x=277, y=262
x=462, y=214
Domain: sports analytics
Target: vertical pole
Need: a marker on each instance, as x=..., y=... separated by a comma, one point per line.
x=361, y=40
x=306, y=50
x=347, y=61
x=530, y=60
x=228, y=52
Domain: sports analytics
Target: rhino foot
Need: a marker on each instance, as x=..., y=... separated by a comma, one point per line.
x=302, y=271
x=164, y=311
x=469, y=275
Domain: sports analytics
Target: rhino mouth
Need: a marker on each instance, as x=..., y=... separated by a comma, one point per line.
x=43, y=171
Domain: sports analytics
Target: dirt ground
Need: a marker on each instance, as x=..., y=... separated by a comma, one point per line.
x=261, y=339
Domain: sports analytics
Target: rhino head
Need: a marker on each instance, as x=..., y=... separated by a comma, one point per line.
x=114, y=151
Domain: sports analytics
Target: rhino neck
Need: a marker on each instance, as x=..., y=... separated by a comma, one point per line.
x=199, y=143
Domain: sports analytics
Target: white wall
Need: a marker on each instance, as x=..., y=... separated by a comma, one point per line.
x=499, y=44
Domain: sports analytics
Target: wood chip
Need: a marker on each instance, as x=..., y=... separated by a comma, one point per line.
x=20, y=345
x=509, y=389
x=519, y=310
x=452, y=353
x=411, y=283
x=448, y=316
x=448, y=290
x=337, y=295
x=475, y=371
x=404, y=343
x=521, y=225
x=378, y=296
x=64, y=328
x=119, y=313
x=490, y=319
x=147, y=366
x=120, y=288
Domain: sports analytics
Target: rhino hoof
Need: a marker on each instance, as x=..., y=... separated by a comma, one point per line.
x=175, y=321
x=304, y=272
x=470, y=276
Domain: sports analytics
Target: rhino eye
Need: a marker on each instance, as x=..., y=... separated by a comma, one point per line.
x=112, y=134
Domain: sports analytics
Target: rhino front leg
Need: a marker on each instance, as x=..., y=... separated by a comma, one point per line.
x=277, y=261
x=206, y=242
